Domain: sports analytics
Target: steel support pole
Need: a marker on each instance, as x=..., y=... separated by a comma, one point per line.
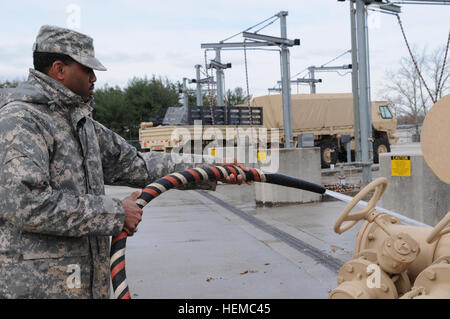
x=355, y=90
x=364, y=90
x=312, y=84
x=369, y=99
x=219, y=76
x=285, y=84
x=349, y=152
x=199, y=85
x=185, y=93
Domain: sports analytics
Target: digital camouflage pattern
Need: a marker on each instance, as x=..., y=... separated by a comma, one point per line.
x=54, y=162
x=78, y=46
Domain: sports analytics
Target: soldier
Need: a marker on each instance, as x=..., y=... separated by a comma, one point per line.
x=55, y=220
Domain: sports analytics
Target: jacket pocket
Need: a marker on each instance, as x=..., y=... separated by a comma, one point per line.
x=39, y=246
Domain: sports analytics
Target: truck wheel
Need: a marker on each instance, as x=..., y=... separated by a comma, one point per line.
x=380, y=145
x=328, y=154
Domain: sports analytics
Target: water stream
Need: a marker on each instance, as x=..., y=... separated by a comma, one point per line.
x=362, y=204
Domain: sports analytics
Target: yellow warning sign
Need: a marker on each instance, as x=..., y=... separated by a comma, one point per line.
x=262, y=156
x=400, y=166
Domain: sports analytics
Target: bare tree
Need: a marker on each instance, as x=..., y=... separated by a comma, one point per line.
x=405, y=89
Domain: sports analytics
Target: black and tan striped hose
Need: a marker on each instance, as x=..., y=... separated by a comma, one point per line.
x=211, y=173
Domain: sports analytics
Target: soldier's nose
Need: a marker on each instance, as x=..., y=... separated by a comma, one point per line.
x=93, y=78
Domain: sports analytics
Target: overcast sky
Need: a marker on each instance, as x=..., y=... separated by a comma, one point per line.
x=144, y=38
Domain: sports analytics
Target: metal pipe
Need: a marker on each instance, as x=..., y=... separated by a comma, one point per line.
x=185, y=93
x=364, y=89
x=286, y=86
x=312, y=83
x=363, y=204
x=199, y=85
x=219, y=76
x=355, y=83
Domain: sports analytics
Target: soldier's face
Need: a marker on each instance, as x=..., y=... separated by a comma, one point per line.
x=80, y=80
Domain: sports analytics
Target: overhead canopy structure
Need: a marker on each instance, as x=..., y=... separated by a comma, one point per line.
x=256, y=40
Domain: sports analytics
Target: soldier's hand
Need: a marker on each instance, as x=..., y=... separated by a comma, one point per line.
x=232, y=178
x=133, y=214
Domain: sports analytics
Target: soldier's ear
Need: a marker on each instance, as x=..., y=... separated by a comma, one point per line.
x=57, y=71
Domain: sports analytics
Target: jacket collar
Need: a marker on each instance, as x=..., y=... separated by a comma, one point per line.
x=59, y=95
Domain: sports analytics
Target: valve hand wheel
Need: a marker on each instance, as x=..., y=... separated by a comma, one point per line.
x=379, y=185
x=439, y=229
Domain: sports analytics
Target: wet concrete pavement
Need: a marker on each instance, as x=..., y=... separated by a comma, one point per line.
x=198, y=244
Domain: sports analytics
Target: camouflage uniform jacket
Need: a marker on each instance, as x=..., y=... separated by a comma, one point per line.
x=55, y=219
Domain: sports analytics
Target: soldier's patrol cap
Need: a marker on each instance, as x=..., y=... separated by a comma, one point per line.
x=78, y=46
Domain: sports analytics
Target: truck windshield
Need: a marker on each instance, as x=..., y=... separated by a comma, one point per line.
x=385, y=112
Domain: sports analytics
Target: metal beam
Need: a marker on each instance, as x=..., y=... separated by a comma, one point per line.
x=330, y=68
x=308, y=81
x=303, y=81
x=251, y=44
x=384, y=6
x=218, y=65
x=391, y=8
x=270, y=39
x=203, y=81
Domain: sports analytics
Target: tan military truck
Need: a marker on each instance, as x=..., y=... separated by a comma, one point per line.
x=329, y=117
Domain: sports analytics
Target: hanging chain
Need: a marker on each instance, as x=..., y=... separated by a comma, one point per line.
x=211, y=100
x=414, y=60
x=443, y=66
